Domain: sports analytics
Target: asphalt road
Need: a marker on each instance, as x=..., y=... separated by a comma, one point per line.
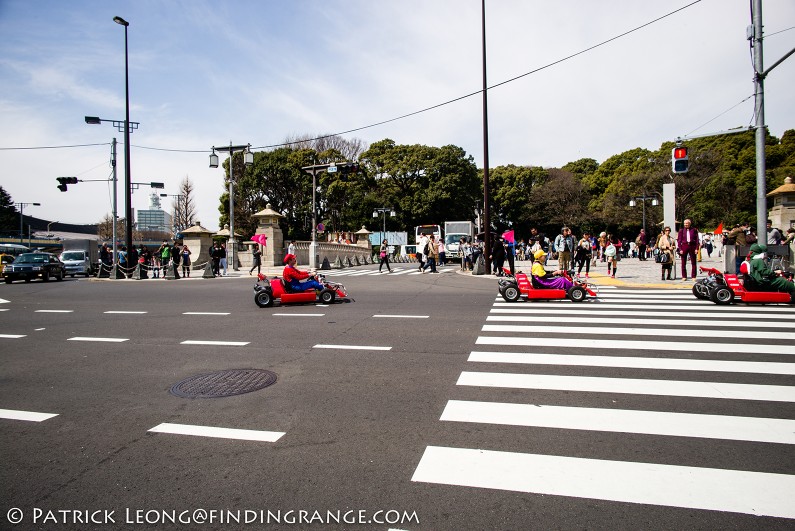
x=408, y=423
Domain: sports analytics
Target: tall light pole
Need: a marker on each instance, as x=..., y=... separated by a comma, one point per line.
x=21, y=227
x=248, y=160
x=48, y=227
x=127, y=173
x=644, y=198
x=486, y=210
x=383, y=211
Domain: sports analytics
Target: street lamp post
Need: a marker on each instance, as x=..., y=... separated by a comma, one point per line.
x=21, y=227
x=48, y=227
x=248, y=160
x=644, y=198
x=383, y=211
x=127, y=173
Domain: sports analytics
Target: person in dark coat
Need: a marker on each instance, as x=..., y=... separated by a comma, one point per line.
x=687, y=243
x=497, y=256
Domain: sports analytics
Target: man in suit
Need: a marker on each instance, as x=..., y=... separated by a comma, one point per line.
x=687, y=244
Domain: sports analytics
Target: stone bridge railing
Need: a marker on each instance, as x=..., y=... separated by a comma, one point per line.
x=335, y=255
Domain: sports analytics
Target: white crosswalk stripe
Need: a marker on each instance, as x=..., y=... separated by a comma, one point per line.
x=689, y=351
x=616, y=331
x=684, y=304
x=374, y=272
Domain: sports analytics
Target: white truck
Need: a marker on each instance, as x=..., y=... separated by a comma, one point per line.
x=453, y=232
x=81, y=257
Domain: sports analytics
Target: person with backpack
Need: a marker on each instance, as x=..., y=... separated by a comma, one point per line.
x=432, y=254
x=422, y=251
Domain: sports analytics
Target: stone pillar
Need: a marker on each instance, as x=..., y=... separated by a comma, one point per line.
x=268, y=224
x=199, y=240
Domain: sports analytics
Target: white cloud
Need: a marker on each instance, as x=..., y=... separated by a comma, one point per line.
x=205, y=73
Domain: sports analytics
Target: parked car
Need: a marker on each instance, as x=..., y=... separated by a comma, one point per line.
x=28, y=266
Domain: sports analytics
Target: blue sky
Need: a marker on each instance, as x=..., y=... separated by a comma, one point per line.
x=207, y=73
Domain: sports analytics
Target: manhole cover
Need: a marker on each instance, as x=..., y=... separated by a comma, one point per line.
x=223, y=383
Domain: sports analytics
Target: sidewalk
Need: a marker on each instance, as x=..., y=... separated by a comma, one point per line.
x=631, y=272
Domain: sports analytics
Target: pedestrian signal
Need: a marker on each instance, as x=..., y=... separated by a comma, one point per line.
x=679, y=161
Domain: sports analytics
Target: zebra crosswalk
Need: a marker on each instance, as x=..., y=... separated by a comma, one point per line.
x=410, y=269
x=706, y=365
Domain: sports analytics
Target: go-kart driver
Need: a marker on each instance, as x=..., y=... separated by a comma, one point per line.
x=298, y=280
x=546, y=279
x=761, y=277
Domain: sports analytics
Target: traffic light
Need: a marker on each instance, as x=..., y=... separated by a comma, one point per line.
x=679, y=162
x=348, y=167
x=64, y=181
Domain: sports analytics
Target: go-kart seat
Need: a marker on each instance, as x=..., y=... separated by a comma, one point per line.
x=287, y=287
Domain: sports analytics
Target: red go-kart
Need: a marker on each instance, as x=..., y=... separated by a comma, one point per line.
x=266, y=291
x=724, y=288
x=513, y=287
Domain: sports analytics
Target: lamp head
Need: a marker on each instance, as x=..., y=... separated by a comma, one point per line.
x=119, y=20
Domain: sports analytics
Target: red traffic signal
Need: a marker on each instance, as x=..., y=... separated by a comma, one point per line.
x=679, y=160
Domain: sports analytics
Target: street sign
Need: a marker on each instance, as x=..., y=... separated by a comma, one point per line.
x=321, y=227
x=332, y=169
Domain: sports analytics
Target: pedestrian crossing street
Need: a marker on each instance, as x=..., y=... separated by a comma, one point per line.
x=715, y=357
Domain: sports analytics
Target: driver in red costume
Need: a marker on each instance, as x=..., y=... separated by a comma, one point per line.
x=298, y=280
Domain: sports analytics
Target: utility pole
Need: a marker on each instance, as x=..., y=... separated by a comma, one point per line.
x=759, y=83
x=486, y=210
x=755, y=35
x=115, y=212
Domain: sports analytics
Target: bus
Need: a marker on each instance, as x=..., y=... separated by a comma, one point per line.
x=9, y=251
x=427, y=230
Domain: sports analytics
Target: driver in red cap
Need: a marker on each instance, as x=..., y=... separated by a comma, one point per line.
x=298, y=280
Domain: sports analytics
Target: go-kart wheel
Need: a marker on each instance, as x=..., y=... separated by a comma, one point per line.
x=576, y=294
x=511, y=293
x=722, y=295
x=327, y=296
x=263, y=298
x=701, y=291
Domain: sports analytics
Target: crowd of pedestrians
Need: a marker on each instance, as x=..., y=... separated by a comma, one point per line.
x=168, y=259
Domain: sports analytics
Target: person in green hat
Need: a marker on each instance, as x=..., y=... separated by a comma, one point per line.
x=761, y=277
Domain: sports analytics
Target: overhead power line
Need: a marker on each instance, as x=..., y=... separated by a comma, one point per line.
x=55, y=147
x=426, y=109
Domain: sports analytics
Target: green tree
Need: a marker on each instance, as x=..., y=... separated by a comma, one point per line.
x=9, y=217
x=423, y=184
